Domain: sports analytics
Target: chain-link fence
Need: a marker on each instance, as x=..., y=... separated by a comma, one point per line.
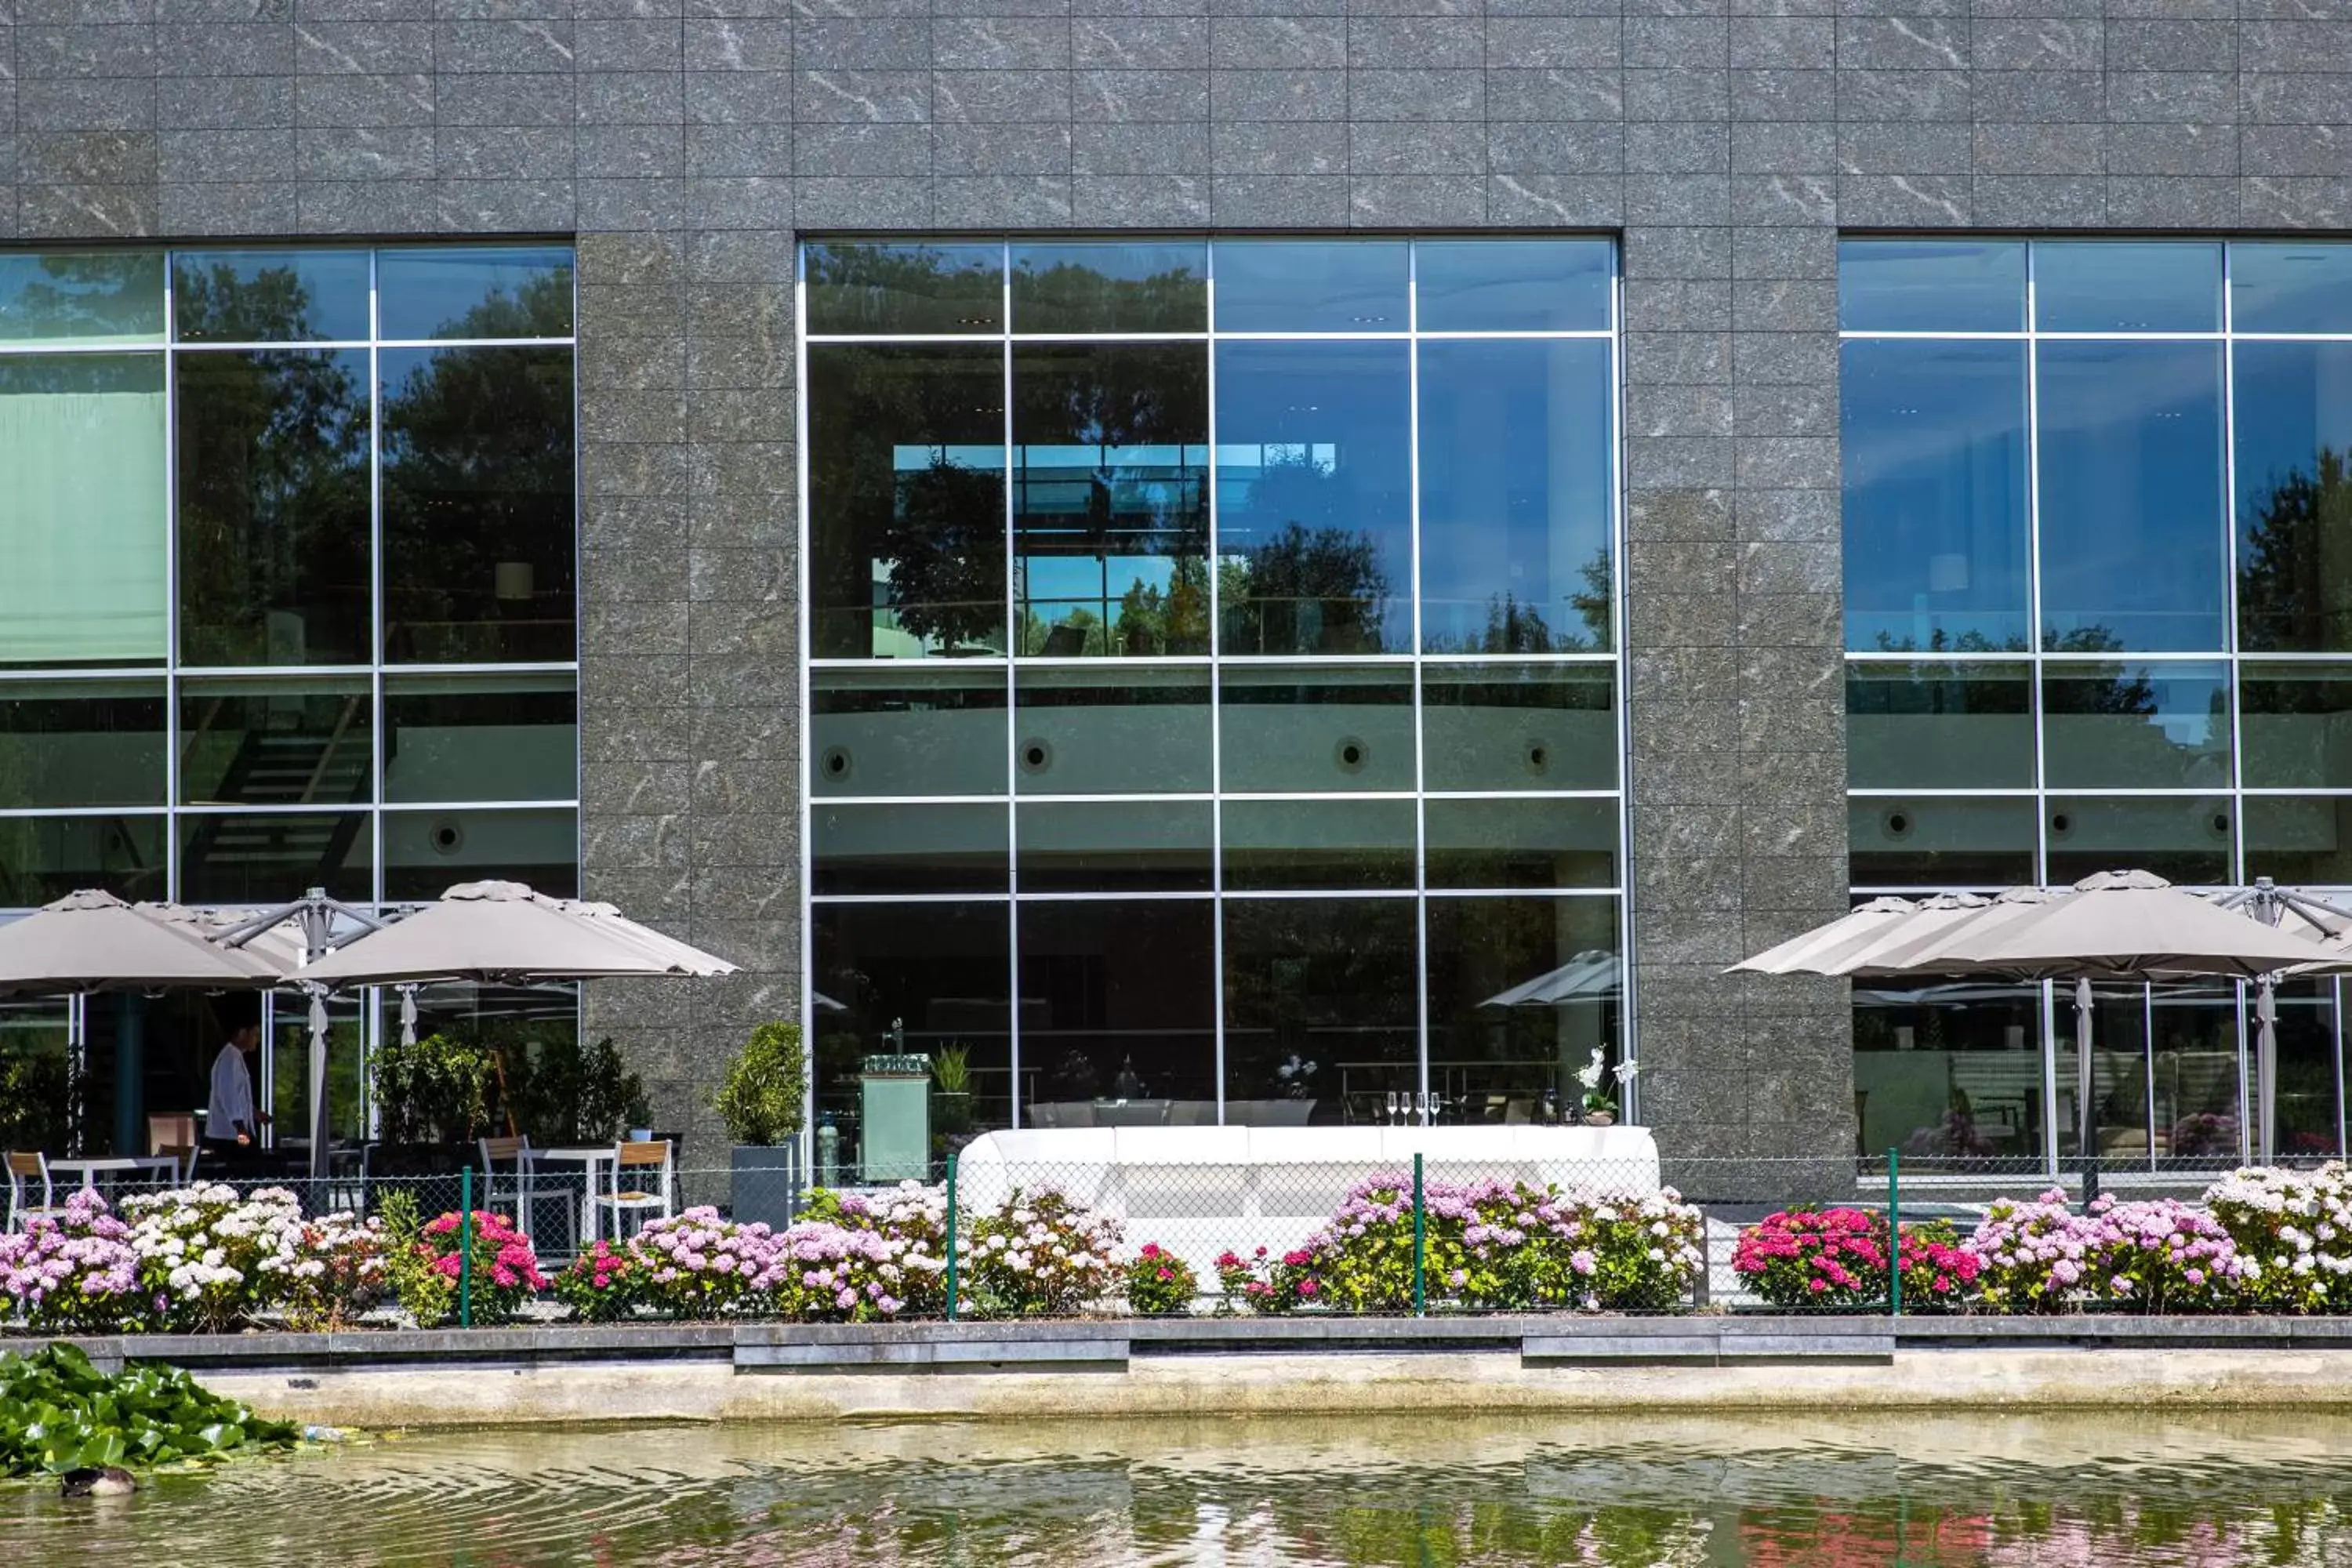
x=1412, y=1236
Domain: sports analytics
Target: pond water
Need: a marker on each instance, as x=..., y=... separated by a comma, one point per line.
x=1932, y=1492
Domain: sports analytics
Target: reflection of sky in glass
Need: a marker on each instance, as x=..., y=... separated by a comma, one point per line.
x=1931, y=286
x=1935, y=500
x=1514, y=466
x=1332, y=423
x=1310, y=285
x=2101, y=285
x=1514, y=285
x=2132, y=547
x=2280, y=286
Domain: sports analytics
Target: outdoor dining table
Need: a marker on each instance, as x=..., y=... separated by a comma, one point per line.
x=90, y=1167
x=591, y=1226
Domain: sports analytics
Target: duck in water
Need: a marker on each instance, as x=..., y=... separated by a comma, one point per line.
x=102, y=1481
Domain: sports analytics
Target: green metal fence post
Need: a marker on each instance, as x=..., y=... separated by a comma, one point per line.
x=466, y=1247
x=952, y=1238
x=1894, y=1233
x=1419, y=1244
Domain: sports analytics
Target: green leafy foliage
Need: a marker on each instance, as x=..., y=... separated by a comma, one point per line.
x=59, y=1413
x=563, y=1093
x=766, y=1083
x=436, y=1090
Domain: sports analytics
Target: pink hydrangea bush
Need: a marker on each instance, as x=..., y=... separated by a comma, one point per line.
x=1486, y=1244
x=74, y=1272
x=2156, y=1256
x=1159, y=1283
x=1836, y=1258
x=2293, y=1232
x=1040, y=1253
x=823, y=1272
x=697, y=1264
x=912, y=1220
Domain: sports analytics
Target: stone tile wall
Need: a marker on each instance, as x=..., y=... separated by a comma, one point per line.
x=685, y=141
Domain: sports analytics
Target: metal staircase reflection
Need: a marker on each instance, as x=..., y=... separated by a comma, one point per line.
x=273, y=766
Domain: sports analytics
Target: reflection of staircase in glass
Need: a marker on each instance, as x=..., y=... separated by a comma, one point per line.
x=263, y=852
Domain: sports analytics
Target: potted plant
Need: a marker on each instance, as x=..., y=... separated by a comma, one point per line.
x=761, y=1102
x=1600, y=1105
x=952, y=1097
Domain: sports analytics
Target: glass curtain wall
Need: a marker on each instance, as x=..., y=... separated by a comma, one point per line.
x=2096, y=496
x=1212, y=693
x=290, y=595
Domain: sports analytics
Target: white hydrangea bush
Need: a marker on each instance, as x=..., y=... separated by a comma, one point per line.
x=2293, y=1236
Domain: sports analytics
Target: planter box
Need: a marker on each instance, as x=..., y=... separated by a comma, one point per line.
x=766, y=1183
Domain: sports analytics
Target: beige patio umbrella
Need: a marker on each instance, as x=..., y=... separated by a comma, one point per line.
x=503, y=933
x=92, y=941
x=2117, y=925
x=2290, y=909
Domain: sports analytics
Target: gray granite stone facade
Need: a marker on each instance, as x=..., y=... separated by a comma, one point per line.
x=685, y=141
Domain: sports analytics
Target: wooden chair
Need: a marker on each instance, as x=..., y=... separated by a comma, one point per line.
x=24, y=1170
x=186, y=1153
x=518, y=1184
x=167, y=1133
x=633, y=1194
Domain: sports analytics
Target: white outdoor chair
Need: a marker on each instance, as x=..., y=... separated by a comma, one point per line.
x=24, y=1170
x=632, y=1194
x=186, y=1153
x=518, y=1184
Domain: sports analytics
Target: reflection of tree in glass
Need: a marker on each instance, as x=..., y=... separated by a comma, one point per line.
x=1312, y=585
x=95, y=294
x=478, y=470
x=221, y=304
x=1516, y=627
x=1067, y=298
x=2295, y=572
x=945, y=544
x=273, y=482
x=871, y=287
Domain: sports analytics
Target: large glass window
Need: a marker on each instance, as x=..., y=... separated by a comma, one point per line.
x=290, y=592
x=1267, y=725
x=2139, y=638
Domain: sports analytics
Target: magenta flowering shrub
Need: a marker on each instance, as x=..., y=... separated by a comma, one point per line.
x=2157, y=1256
x=1159, y=1283
x=697, y=1265
x=1814, y=1258
x=505, y=1272
x=601, y=1285
x=1837, y=1258
x=75, y=1272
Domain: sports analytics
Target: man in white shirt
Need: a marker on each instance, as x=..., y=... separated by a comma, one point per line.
x=230, y=1119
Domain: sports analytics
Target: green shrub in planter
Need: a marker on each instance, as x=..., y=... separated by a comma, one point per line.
x=760, y=1102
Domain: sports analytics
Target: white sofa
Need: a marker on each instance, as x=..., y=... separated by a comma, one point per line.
x=1198, y=1191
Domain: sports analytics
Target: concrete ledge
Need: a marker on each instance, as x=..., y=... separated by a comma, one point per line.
x=1105, y=1351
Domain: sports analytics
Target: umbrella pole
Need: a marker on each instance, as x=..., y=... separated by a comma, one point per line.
x=318, y=1083
x=2266, y=1066
x=2083, y=1091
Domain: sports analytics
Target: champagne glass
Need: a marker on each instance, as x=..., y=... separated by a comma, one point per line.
x=1392, y=1105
